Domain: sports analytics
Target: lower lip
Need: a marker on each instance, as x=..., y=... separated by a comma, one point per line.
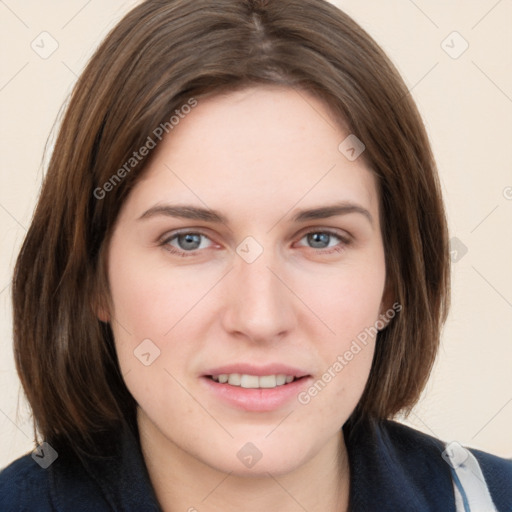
x=256, y=400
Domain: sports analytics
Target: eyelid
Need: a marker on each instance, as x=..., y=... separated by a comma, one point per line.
x=341, y=234
x=169, y=235
x=164, y=241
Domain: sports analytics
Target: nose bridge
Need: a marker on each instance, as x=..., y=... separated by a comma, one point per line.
x=257, y=281
x=258, y=305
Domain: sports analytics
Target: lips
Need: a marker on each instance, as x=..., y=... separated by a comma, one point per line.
x=251, y=369
x=255, y=388
x=253, y=381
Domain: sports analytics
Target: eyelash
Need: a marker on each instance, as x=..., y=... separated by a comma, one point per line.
x=344, y=242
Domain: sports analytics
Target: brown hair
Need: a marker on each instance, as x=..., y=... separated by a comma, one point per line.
x=158, y=58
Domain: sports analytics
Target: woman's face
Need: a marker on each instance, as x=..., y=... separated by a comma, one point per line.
x=250, y=252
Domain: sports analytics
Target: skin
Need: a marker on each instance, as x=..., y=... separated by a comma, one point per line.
x=257, y=157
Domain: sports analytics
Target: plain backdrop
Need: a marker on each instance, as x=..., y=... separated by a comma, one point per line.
x=455, y=57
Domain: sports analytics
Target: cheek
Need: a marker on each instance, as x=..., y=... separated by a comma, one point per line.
x=347, y=306
x=346, y=302
x=156, y=321
x=148, y=299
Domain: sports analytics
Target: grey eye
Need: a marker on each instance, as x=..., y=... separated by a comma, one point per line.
x=189, y=241
x=318, y=240
x=321, y=240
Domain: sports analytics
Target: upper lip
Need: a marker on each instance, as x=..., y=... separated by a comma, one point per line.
x=251, y=369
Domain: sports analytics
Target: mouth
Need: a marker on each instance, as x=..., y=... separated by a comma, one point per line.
x=255, y=389
x=248, y=381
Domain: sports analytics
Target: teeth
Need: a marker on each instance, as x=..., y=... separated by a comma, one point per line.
x=280, y=379
x=234, y=379
x=249, y=381
x=253, y=381
x=268, y=381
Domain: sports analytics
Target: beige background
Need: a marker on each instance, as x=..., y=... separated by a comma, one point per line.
x=467, y=107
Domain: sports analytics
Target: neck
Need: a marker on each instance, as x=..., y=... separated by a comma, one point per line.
x=183, y=483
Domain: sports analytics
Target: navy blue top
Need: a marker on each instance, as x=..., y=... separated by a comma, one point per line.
x=393, y=468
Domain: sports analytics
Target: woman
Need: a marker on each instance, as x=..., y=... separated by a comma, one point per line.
x=236, y=275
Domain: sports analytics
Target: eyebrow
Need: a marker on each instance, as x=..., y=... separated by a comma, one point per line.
x=325, y=212
x=208, y=215
x=185, y=212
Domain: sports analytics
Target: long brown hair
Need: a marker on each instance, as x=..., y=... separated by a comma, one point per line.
x=158, y=58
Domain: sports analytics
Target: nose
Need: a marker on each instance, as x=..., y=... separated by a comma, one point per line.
x=257, y=305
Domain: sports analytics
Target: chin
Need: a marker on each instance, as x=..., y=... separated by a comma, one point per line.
x=277, y=463
x=258, y=458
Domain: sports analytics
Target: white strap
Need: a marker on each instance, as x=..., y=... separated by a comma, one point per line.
x=471, y=491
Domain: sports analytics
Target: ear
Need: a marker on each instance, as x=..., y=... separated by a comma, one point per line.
x=101, y=309
x=387, y=310
x=103, y=315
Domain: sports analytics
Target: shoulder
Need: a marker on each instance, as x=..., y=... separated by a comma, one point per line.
x=403, y=436
x=59, y=484
x=404, y=469
x=24, y=485
x=410, y=445
x=498, y=476
x=397, y=468
x=65, y=479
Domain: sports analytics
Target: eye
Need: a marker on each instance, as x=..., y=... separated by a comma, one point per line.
x=322, y=240
x=187, y=242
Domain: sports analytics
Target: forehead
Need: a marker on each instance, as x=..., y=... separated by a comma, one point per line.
x=267, y=146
